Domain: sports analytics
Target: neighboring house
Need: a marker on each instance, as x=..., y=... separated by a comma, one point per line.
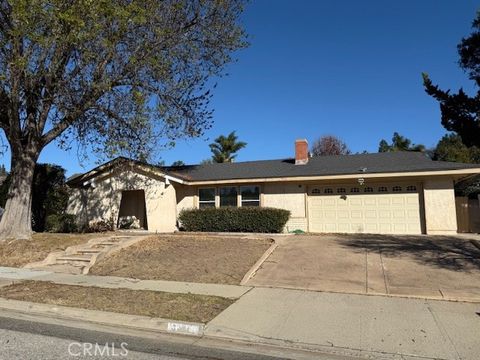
x=386, y=193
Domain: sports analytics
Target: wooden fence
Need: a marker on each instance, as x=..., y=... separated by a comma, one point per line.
x=468, y=215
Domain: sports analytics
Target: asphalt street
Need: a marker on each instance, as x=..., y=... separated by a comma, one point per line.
x=21, y=339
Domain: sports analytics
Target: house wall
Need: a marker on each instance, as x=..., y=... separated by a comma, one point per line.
x=439, y=205
x=278, y=195
x=164, y=202
x=288, y=196
x=185, y=197
x=102, y=200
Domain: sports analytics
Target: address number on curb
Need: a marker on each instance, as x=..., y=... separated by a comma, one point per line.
x=184, y=328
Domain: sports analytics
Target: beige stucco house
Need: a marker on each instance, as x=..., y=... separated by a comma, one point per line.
x=384, y=193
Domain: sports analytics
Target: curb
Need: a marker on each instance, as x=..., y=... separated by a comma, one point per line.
x=181, y=331
x=98, y=317
x=251, y=273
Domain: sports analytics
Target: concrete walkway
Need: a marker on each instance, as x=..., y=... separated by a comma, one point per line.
x=353, y=325
x=8, y=274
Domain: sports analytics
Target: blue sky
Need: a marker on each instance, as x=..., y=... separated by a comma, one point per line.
x=348, y=68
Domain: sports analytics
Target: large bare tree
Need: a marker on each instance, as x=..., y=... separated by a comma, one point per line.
x=329, y=145
x=114, y=76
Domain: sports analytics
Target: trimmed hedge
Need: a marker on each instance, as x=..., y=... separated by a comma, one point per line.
x=234, y=219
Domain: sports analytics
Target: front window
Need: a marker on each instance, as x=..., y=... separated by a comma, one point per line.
x=250, y=195
x=228, y=196
x=206, y=197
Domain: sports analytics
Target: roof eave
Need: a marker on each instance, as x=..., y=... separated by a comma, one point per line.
x=86, y=178
x=453, y=172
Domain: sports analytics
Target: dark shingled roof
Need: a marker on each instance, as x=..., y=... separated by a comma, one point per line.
x=398, y=162
x=316, y=166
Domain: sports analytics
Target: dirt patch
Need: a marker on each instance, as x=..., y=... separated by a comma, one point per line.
x=203, y=259
x=183, y=307
x=18, y=253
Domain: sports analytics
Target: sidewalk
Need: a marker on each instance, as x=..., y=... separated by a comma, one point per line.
x=373, y=327
x=353, y=325
x=226, y=291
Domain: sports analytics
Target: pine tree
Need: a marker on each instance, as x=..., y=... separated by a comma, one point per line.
x=461, y=112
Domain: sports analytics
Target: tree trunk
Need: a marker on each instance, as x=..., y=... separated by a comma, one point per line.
x=16, y=221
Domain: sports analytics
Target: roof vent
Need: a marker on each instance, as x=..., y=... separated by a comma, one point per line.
x=363, y=169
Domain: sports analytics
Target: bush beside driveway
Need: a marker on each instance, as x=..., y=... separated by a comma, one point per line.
x=436, y=267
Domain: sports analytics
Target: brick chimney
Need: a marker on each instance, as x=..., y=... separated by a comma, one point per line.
x=301, y=152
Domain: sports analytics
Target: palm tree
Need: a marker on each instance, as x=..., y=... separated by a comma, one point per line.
x=224, y=148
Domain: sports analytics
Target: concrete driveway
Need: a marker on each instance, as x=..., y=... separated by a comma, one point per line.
x=437, y=267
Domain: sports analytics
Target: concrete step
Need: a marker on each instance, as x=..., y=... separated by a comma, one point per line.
x=89, y=251
x=62, y=268
x=75, y=257
x=109, y=243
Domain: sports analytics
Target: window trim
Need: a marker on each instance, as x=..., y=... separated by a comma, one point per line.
x=214, y=201
x=241, y=201
x=239, y=195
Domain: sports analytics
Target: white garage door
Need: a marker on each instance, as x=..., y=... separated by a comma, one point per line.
x=376, y=209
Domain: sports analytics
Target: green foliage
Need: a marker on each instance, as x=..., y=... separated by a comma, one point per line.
x=225, y=148
x=49, y=194
x=399, y=143
x=461, y=112
x=451, y=148
x=233, y=219
x=4, y=190
x=297, y=232
x=206, y=161
x=117, y=76
x=60, y=223
x=178, y=163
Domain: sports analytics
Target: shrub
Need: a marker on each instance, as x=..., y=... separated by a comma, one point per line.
x=60, y=223
x=233, y=219
x=101, y=226
x=129, y=222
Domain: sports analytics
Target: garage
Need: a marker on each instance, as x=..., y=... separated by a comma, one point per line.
x=376, y=209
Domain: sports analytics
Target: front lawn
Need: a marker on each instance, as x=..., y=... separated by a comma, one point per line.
x=183, y=307
x=190, y=258
x=17, y=253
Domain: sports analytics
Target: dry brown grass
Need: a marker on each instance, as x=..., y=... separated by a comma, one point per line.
x=190, y=258
x=183, y=307
x=18, y=253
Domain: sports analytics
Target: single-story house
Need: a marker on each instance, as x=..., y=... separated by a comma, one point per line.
x=384, y=193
